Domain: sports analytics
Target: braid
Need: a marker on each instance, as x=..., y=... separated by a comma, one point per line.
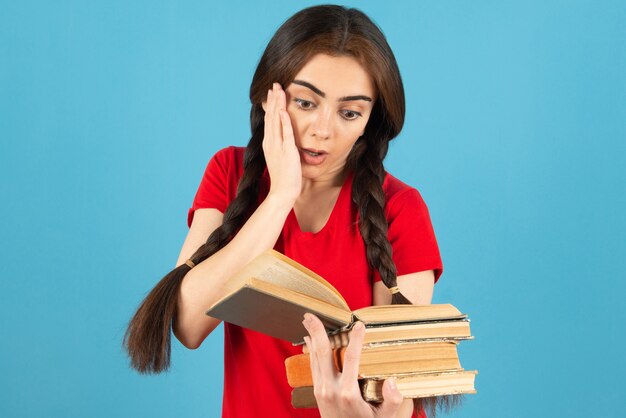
x=148, y=337
x=368, y=196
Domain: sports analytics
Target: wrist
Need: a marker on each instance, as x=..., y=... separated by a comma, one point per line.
x=281, y=200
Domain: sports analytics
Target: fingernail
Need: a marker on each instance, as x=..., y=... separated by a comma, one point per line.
x=392, y=383
x=275, y=85
x=358, y=326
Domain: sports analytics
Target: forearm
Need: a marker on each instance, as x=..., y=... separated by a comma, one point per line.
x=202, y=286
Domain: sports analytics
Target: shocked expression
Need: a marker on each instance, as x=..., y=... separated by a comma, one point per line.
x=329, y=102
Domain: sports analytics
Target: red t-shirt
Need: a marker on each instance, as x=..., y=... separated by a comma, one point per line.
x=255, y=382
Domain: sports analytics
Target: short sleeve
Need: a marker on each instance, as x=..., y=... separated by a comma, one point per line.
x=411, y=234
x=213, y=190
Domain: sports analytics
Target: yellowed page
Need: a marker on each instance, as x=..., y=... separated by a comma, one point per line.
x=273, y=267
x=389, y=314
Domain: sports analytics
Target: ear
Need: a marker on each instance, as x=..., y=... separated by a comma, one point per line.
x=264, y=106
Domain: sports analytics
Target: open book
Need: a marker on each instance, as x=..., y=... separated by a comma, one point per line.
x=272, y=293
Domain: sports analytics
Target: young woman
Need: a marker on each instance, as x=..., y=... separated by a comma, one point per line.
x=327, y=98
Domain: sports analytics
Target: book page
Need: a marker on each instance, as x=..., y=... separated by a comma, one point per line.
x=390, y=314
x=275, y=268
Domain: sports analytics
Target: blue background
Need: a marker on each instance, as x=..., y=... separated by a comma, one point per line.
x=515, y=135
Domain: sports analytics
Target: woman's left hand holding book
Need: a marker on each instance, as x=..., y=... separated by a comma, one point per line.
x=337, y=393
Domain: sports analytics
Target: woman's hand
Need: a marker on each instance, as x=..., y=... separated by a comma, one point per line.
x=338, y=394
x=279, y=147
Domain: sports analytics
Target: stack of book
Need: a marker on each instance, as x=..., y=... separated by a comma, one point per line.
x=417, y=344
x=421, y=354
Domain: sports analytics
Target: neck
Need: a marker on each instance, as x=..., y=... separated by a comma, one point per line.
x=324, y=182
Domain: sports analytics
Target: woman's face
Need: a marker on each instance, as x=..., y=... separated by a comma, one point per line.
x=329, y=102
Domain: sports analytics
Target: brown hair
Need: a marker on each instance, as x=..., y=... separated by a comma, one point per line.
x=329, y=29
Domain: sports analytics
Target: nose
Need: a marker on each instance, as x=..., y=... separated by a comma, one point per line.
x=322, y=125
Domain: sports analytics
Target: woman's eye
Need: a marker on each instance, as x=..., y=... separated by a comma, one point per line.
x=307, y=105
x=303, y=104
x=351, y=115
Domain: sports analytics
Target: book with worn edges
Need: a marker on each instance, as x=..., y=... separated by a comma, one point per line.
x=273, y=292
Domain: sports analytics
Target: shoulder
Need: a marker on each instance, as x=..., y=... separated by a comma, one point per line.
x=410, y=232
x=399, y=194
x=229, y=156
x=219, y=182
x=226, y=163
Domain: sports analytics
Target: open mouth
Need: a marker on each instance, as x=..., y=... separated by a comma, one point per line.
x=313, y=156
x=313, y=153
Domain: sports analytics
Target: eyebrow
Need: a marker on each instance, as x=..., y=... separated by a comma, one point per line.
x=322, y=94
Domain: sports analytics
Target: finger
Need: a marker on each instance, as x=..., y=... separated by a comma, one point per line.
x=281, y=97
x=352, y=356
x=320, y=347
x=288, y=138
x=392, y=398
x=276, y=123
x=312, y=359
x=314, y=363
x=267, y=119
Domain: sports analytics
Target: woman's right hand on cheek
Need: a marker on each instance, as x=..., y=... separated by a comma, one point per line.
x=279, y=147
